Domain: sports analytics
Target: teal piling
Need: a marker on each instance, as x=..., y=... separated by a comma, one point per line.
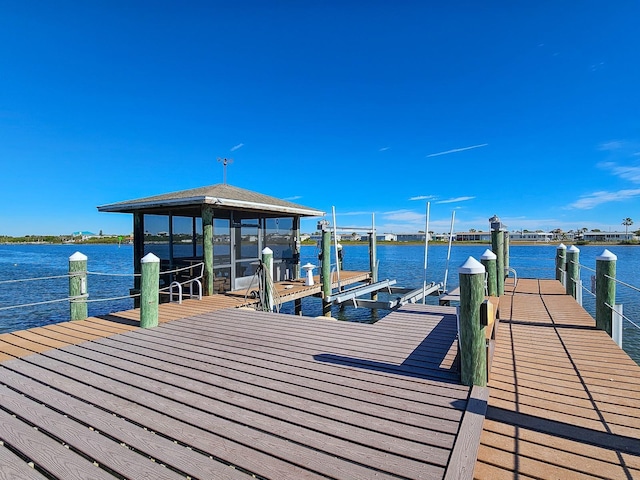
x=561, y=263
x=488, y=259
x=78, y=286
x=472, y=341
x=573, y=271
x=267, y=264
x=605, y=290
x=149, y=284
x=326, y=271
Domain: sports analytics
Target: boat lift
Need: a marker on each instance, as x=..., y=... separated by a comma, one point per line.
x=407, y=295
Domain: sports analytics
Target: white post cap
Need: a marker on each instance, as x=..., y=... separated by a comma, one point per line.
x=471, y=267
x=308, y=266
x=78, y=257
x=150, y=258
x=488, y=255
x=267, y=251
x=573, y=249
x=607, y=256
x=562, y=246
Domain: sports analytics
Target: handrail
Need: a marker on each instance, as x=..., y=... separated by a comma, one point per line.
x=623, y=316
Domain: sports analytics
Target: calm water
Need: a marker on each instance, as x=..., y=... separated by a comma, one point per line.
x=403, y=263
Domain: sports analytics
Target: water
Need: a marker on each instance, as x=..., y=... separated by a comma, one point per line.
x=404, y=263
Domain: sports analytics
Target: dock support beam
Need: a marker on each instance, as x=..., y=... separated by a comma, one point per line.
x=488, y=259
x=326, y=271
x=78, y=286
x=373, y=262
x=573, y=271
x=207, y=248
x=497, y=246
x=605, y=290
x=472, y=341
x=267, y=263
x=561, y=263
x=150, y=282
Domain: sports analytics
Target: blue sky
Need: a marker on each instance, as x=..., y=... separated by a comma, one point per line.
x=528, y=110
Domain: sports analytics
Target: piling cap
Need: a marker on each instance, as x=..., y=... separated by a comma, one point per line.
x=150, y=258
x=471, y=267
x=562, y=246
x=573, y=249
x=488, y=255
x=308, y=266
x=267, y=251
x=78, y=257
x=607, y=256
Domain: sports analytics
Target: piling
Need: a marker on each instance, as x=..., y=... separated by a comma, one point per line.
x=573, y=271
x=373, y=262
x=561, y=263
x=207, y=248
x=472, y=341
x=149, y=285
x=78, y=286
x=267, y=264
x=497, y=246
x=326, y=271
x=507, y=240
x=605, y=290
x=488, y=259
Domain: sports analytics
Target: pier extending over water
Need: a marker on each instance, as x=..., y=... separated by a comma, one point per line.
x=232, y=393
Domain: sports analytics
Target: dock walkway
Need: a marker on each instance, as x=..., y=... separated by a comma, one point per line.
x=234, y=393
x=564, y=399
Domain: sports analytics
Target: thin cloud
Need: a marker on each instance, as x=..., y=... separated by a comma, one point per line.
x=237, y=147
x=611, y=145
x=587, y=202
x=295, y=197
x=627, y=172
x=456, y=150
x=423, y=197
x=408, y=216
x=384, y=149
x=457, y=199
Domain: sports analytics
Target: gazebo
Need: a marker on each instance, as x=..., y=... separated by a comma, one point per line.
x=225, y=227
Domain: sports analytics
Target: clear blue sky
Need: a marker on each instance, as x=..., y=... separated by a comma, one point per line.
x=528, y=110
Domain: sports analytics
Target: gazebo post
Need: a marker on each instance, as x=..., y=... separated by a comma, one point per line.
x=207, y=247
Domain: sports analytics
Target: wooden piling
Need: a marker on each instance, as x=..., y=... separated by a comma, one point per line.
x=605, y=290
x=507, y=240
x=150, y=282
x=325, y=272
x=561, y=263
x=78, y=286
x=472, y=341
x=267, y=264
x=497, y=246
x=207, y=248
x=488, y=259
x=573, y=271
x=373, y=261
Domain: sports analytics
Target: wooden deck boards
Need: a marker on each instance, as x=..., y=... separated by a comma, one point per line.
x=229, y=393
x=564, y=399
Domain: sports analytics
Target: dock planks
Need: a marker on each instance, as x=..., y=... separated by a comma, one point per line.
x=564, y=399
x=233, y=393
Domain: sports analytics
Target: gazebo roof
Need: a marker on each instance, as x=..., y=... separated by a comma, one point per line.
x=220, y=195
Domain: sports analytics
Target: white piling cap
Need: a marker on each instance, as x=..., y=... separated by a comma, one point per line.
x=573, y=249
x=471, y=267
x=78, y=257
x=562, y=246
x=267, y=251
x=488, y=255
x=150, y=258
x=308, y=266
x=607, y=256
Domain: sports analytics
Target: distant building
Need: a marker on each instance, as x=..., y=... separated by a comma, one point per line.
x=531, y=236
x=83, y=235
x=473, y=237
x=387, y=237
x=411, y=237
x=608, y=236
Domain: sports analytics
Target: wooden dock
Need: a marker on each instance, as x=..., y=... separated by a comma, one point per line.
x=564, y=399
x=234, y=393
